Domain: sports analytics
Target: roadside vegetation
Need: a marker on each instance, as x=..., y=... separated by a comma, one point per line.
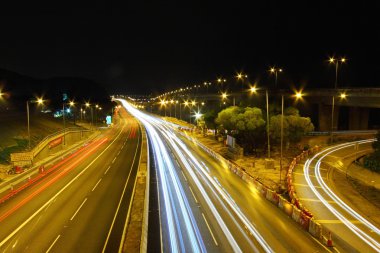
x=248, y=126
x=372, y=161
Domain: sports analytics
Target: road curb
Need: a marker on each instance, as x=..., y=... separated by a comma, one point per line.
x=137, y=226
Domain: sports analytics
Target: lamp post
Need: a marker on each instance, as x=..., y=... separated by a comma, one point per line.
x=186, y=103
x=224, y=97
x=39, y=101
x=221, y=81
x=275, y=71
x=241, y=77
x=267, y=104
x=170, y=107
x=193, y=103
x=175, y=109
x=180, y=111
x=332, y=60
x=92, y=115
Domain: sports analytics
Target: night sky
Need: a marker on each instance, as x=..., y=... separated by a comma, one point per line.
x=149, y=47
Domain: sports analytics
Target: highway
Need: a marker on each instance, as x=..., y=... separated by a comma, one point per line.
x=82, y=204
x=351, y=230
x=206, y=208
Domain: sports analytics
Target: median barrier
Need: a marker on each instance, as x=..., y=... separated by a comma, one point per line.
x=272, y=196
x=263, y=190
x=315, y=229
x=281, y=202
x=288, y=208
x=296, y=214
x=304, y=221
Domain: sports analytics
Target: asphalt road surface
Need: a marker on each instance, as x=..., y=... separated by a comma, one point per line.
x=351, y=231
x=81, y=206
x=205, y=207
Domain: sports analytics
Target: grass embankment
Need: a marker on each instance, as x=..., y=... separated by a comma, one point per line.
x=14, y=131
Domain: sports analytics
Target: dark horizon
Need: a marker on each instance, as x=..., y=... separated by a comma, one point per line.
x=149, y=48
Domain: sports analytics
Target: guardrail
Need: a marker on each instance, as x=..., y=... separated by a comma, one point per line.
x=319, y=133
x=55, y=135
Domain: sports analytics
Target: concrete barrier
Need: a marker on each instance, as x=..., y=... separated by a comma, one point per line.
x=315, y=229
x=272, y=196
x=296, y=214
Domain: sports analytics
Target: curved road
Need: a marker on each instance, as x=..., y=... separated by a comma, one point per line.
x=205, y=207
x=351, y=231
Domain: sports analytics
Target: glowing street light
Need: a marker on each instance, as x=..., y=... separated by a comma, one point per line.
x=92, y=114
x=336, y=61
x=275, y=71
x=39, y=101
x=253, y=89
x=298, y=95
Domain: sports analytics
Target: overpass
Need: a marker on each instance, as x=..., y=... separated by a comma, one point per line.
x=355, y=107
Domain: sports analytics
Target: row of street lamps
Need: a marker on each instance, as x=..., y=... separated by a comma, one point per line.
x=298, y=95
x=40, y=101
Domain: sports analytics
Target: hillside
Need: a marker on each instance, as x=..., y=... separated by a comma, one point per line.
x=19, y=88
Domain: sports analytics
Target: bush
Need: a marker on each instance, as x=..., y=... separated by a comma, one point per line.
x=372, y=162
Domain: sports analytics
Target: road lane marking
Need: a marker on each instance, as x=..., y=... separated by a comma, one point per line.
x=84, y=201
x=107, y=169
x=209, y=229
x=305, y=185
x=337, y=221
x=298, y=173
x=196, y=201
x=316, y=200
x=113, y=160
x=121, y=198
x=118, y=153
x=133, y=192
x=184, y=175
x=51, y=246
x=96, y=185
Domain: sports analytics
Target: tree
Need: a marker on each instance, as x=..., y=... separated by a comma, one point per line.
x=227, y=118
x=294, y=126
x=209, y=118
x=246, y=124
x=376, y=144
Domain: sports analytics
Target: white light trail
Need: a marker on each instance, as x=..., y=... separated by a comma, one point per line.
x=167, y=173
x=169, y=180
x=361, y=234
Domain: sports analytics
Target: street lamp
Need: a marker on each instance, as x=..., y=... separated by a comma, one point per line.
x=241, y=77
x=163, y=104
x=170, y=106
x=221, y=81
x=175, y=109
x=332, y=60
x=341, y=96
x=186, y=103
x=275, y=71
x=92, y=114
x=39, y=101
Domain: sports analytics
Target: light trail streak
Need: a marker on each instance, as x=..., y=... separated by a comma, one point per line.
x=361, y=234
x=222, y=192
x=51, y=181
x=165, y=165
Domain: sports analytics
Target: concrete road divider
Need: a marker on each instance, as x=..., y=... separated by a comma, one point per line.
x=315, y=229
x=296, y=214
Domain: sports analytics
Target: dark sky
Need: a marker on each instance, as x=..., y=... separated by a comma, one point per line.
x=138, y=47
